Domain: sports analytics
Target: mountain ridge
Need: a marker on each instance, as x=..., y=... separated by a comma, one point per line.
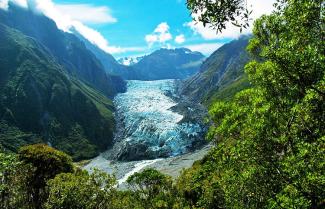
x=68, y=49
x=163, y=63
x=40, y=102
x=221, y=75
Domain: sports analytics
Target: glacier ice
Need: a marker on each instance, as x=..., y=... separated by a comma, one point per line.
x=148, y=120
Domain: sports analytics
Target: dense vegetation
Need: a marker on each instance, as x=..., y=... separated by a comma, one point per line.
x=39, y=102
x=269, y=150
x=68, y=50
x=270, y=138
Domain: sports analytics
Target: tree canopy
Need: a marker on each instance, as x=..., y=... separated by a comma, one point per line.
x=270, y=138
x=269, y=150
x=218, y=13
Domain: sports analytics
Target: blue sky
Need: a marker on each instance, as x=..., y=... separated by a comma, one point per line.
x=137, y=27
x=136, y=19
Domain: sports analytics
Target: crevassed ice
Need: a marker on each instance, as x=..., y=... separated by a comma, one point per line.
x=145, y=109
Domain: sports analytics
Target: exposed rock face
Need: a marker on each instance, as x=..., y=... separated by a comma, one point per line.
x=151, y=124
x=221, y=70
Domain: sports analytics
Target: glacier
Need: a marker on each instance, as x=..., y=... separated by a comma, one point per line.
x=148, y=126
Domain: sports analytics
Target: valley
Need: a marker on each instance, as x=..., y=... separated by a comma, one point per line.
x=171, y=166
x=153, y=123
x=187, y=104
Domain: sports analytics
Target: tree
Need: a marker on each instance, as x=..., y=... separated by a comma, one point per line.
x=152, y=188
x=270, y=138
x=47, y=163
x=81, y=190
x=218, y=13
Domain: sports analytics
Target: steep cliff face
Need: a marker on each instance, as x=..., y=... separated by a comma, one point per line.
x=67, y=49
x=221, y=75
x=41, y=102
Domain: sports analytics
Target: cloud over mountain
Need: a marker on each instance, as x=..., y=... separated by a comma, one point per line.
x=160, y=35
x=70, y=17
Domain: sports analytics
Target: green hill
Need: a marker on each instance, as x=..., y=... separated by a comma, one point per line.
x=40, y=102
x=67, y=49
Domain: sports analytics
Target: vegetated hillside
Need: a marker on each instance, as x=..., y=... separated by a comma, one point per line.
x=67, y=49
x=221, y=75
x=111, y=66
x=40, y=102
x=168, y=64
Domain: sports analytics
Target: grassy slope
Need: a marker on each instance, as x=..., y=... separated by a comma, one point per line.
x=39, y=102
x=221, y=75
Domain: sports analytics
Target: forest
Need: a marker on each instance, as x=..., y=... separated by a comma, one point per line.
x=268, y=139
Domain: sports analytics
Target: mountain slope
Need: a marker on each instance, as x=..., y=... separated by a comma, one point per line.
x=40, y=102
x=221, y=75
x=67, y=49
x=111, y=66
x=168, y=64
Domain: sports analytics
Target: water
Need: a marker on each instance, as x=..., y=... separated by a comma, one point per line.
x=150, y=128
x=123, y=170
x=137, y=167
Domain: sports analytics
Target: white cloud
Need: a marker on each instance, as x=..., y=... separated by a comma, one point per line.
x=68, y=17
x=205, y=48
x=165, y=37
x=4, y=4
x=87, y=13
x=162, y=28
x=160, y=35
x=151, y=38
x=259, y=8
x=180, y=39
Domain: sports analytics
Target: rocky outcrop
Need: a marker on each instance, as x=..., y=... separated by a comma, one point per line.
x=222, y=69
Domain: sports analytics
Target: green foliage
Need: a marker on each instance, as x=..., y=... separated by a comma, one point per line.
x=227, y=92
x=39, y=102
x=12, y=137
x=270, y=138
x=13, y=182
x=221, y=75
x=47, y=160
x=47, y=163
x=23, y=177
x=218, y=13
x=81, y=190
x=152, y=188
